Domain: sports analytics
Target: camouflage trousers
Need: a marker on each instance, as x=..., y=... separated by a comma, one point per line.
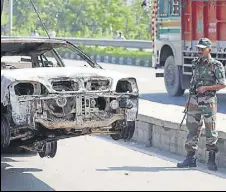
x=199, y=109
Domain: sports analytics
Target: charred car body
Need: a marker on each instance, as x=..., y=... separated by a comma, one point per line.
x=43, y=101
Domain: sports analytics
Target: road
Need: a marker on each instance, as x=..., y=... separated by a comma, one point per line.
x=99, y=163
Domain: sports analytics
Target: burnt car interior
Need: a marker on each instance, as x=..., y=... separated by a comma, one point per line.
x=29, y=54
x=32, y=53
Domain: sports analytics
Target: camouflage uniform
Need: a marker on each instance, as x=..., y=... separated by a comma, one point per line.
x=206, y=72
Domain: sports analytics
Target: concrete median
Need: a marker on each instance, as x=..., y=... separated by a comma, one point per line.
x=158, y=126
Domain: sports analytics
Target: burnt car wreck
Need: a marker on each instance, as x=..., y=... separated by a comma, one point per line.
x=43, y=101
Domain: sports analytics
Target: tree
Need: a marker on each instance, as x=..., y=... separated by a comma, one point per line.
x=82, y=18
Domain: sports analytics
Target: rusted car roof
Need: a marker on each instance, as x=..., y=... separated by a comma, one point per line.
x=25, y=46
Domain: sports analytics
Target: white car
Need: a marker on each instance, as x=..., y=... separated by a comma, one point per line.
x=43, y=101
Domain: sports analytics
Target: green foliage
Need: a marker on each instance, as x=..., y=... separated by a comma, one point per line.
x=81, y=18
x=118, y=51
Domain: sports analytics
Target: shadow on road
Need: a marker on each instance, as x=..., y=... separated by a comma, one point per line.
x=142, y=169
x=17, y=179
x=164, y=98
x=18, y=153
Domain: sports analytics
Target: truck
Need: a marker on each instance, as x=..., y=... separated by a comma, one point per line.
x=177, y=25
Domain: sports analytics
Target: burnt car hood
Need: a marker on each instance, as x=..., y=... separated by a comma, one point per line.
x=43, y=75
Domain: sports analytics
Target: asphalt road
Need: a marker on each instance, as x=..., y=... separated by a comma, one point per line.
x=99, y=163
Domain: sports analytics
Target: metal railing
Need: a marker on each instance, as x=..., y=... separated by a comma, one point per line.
x=137, y=44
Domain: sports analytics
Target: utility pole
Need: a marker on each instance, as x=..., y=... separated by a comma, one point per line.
x=2, y=3
x=10, y=17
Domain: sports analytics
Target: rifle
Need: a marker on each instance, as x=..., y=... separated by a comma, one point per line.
x=185, y=110
x=196, y=60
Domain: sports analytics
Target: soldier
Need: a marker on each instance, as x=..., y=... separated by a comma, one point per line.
x=208, y=77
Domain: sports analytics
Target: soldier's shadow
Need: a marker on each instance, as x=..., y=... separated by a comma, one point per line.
x=20, y=179
x=159, y=169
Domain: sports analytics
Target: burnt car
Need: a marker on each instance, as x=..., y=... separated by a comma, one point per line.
x=44, y=100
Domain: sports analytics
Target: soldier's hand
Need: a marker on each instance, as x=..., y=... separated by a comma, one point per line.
x=201, y=89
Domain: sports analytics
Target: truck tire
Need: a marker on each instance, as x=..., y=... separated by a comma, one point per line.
x=172, y=78
x=5, y=132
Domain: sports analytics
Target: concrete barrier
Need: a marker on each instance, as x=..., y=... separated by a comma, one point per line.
x=160, y=132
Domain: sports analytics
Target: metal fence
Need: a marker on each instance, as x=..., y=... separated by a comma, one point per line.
x=106, y=58
x=137, y=44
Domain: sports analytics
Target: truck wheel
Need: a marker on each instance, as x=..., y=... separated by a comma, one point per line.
x=172, y=78
x=5, y=132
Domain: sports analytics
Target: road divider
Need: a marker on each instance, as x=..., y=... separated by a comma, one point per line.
x=113, y=59
x=158, y=126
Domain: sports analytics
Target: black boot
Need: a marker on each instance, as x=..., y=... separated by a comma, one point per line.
x=190, y=161
x=211, y=161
